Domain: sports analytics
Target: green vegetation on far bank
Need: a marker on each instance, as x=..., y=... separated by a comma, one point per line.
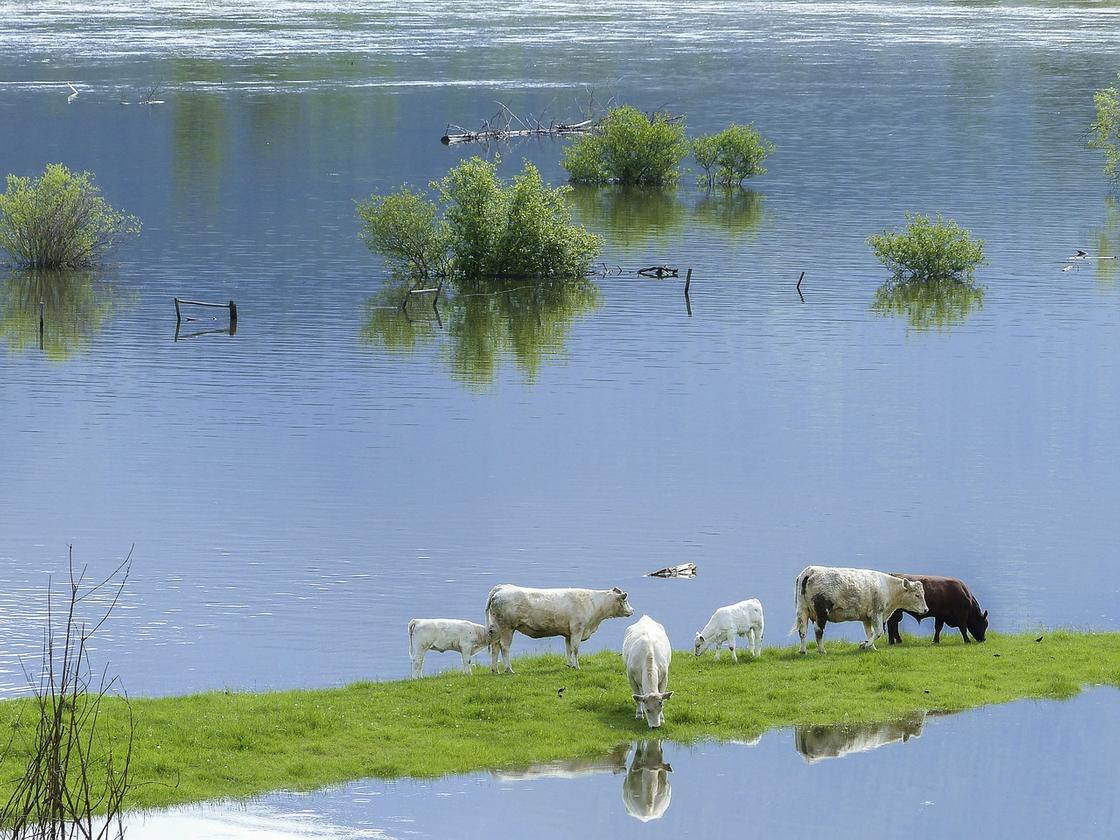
x=237, y=744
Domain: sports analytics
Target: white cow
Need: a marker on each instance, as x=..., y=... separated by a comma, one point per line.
x=572, y=613
x=646, y=791
x=647, y=654
x=727, y=623
x=817, y=743
x=443, y=634
x=824, y=594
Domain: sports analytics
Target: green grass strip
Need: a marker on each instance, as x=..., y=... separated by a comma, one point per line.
x=221, y=744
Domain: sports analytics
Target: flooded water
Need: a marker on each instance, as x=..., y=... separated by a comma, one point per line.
x=297, y=491
x=972, y=774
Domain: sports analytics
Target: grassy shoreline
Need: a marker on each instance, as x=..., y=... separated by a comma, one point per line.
x=220, y=745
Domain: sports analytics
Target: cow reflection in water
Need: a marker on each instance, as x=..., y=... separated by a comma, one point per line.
x=816, y=743
x=614, y=762
x=646, y=790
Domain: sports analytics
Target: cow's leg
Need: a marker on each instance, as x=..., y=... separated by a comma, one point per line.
x=734, y=651
x=719, y=650
x=575, y=652
x=756, y=642
x=466, y=660
x=893, y=636
x=871, y=628
x=418, y=663
x=802, y=625
x=937, y=630
x=964, y=631
x=821, y=621
x=505, y=640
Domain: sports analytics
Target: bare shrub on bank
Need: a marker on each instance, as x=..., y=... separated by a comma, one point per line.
x=76, y=777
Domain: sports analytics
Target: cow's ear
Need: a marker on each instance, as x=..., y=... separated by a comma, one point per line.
x=616, y=589
x=666, y=695
x=637, y=698
x=621, y=595
x=985, y=615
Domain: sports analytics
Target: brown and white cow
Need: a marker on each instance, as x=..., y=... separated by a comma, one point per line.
x=824, y=594
x=950, y=602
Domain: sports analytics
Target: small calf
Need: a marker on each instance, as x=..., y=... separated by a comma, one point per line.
x=443, y=634
x=727, y=623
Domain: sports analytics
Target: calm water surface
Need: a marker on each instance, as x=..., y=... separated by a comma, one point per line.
x=296, y=492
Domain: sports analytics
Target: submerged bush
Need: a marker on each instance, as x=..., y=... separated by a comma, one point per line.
x=629, y=147
x=928, y=249
x=731, y=156
x=404, y=228
x=1105, y=130
x=59, y=220
x=485, y=228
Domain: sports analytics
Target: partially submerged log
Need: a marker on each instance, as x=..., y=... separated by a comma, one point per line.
x=683, y=570
x=507, y=132
x=658, y=271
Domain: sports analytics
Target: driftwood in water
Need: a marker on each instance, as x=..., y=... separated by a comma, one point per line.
x=658, y=271
x=683, y=570
x=505, y=125
x=484, y=134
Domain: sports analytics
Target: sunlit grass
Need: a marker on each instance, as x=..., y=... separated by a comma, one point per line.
x=235, y=744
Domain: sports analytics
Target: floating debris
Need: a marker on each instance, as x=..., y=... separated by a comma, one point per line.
x=683, y=570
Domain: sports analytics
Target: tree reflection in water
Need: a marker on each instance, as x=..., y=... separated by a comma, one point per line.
x=928, y=303
x=1108, y=242
x=75, y=309
x=485, y=321
x=635, y=219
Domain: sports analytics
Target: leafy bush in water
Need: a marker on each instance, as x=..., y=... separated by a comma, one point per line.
x=1105, y=130
x=404, y=228
x=629, y=148
x=731, y=156
x=928, y=250
x=59, y=220
x=486, y=229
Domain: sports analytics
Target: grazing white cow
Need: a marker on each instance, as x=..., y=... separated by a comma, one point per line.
x=646, y=791
x=647, y=654
x=728, y=623
x=572, y=613
x=824, y=594
x=443, y=634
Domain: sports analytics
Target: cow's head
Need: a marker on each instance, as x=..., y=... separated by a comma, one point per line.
x=653, y=704
x=622, y=608
x=699, y=644
x=913, y=597
x=978, y=623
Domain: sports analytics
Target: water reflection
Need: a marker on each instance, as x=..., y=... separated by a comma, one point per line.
x=817, y=743
x=484, y=322
x=75, y=309
x=613, y=762
x=1108, y=242
x=646, y=791
x=928, y=303
x=640, y=218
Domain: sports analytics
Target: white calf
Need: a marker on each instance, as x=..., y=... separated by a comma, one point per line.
x=443, y=634
x=727, y=623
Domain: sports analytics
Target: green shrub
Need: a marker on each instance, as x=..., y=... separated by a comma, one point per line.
x=485, y=228
x=404, y=228
x=928, y=304
x=1105, y=130
x=59, y=220
x=928, y=250
x=731, y=156
x=629, y=147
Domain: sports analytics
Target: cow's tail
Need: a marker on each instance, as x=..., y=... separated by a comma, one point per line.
x=799, y=603
x=411, y=627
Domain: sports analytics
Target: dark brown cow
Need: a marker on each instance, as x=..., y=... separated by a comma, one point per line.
x=950, y=602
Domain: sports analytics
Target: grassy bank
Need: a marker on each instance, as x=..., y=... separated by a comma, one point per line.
x=233, y=744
